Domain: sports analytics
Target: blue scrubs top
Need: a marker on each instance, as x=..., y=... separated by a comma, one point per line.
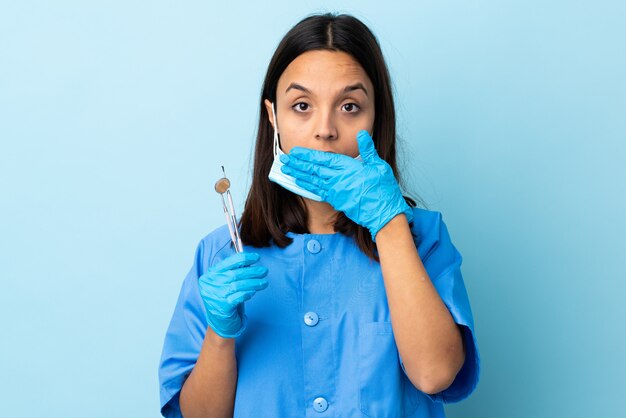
x=319, y=341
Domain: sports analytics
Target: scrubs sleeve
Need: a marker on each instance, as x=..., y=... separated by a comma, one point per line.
x=183, y=339
x=443, y=264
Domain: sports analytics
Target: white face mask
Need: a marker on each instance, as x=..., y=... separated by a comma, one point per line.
x=277, y=176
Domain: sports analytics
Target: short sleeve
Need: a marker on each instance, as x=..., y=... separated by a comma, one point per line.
x=443, y=264
x=183, y=339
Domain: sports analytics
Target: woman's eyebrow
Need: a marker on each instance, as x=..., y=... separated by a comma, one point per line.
x=356, y=86
x=347, y=89
x=297, y=87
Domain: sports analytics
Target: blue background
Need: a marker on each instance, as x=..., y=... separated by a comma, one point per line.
x=116, y=116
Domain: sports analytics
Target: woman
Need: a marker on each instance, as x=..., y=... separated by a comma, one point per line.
x=347, y=301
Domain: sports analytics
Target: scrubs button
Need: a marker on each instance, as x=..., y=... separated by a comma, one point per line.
x=313, y=246
x=311, y=319
x=320, y=404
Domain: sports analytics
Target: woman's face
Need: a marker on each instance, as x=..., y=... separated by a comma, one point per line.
x=323, y=99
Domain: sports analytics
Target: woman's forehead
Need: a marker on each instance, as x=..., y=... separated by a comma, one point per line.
x=324, y=72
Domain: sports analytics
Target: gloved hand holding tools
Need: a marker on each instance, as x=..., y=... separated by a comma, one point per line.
x=225, y=287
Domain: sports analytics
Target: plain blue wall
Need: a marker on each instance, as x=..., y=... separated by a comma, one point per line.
x=115, y=118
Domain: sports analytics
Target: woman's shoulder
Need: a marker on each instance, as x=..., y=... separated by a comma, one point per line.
x=428, y=229
x=425, y=221
x=212, y=244
x=219, y=237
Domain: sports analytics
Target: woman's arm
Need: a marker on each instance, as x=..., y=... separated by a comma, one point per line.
x=209, y=391
x=428, y=339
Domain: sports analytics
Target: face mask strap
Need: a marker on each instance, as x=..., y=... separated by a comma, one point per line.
x=276, y=144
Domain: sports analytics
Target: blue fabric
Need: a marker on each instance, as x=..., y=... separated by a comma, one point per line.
x=349, y=357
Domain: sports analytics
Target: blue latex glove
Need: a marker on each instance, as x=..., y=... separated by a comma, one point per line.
x=224, y=289
x=367, y=192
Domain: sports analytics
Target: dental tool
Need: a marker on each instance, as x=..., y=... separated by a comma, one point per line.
x=222, y=186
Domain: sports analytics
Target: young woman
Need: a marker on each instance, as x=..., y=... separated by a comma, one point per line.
x=347, y=301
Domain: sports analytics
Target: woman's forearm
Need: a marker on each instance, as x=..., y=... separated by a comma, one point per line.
x=209, y=391
x=427, y=337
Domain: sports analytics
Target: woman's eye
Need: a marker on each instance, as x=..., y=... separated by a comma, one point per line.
x=301, y=107
x=351, y=107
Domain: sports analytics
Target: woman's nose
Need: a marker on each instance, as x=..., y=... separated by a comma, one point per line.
x=325, y=126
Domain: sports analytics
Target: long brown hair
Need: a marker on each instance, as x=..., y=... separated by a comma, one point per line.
x=270, y=210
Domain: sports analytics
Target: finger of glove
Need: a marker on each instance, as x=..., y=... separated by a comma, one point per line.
x=366, y=147
x=250, y=272
x=218, y=284
x=305, y=184
x=216, y=302
x=236, y=261
x=215, y=280
x=310, y=167
x=308, y=177
x=240, y=297
x=328, y=159
x=247, y=285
